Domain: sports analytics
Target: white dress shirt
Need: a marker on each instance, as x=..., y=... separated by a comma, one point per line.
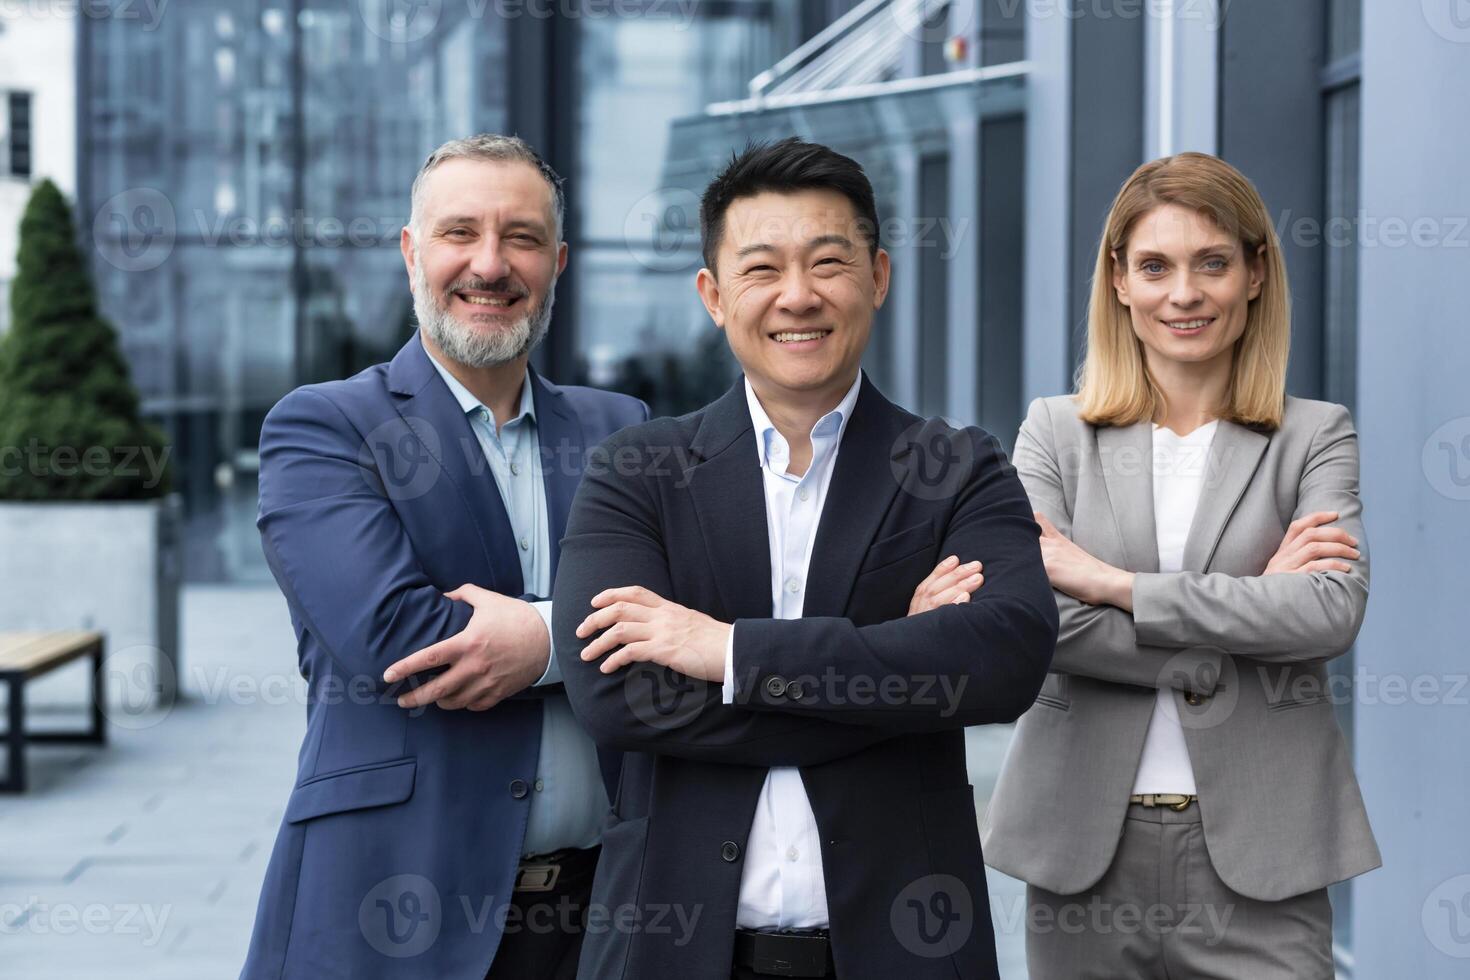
x=781, y=882
x=1179, y=467
x=569, y=797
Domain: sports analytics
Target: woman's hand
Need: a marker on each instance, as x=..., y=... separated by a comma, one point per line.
x=1080, y=575
x=949, y=582
x=1311, y=546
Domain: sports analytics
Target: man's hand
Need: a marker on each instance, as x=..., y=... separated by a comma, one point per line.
x=1310, y=546
x=949, y=582
x=502, y=651
x=1085, y=578
x=653, y=629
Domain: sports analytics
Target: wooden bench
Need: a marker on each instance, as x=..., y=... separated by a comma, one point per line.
x=24, y=656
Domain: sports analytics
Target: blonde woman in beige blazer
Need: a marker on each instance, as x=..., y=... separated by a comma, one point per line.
x=1180, y=796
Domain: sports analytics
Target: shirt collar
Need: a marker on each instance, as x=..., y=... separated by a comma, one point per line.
x=469, y=404
x=765, y=429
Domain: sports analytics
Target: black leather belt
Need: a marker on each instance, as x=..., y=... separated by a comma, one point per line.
x=540, y=872
x=788, y=953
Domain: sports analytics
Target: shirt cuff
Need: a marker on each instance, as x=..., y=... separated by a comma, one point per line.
x=727, y=689
x=553, y=670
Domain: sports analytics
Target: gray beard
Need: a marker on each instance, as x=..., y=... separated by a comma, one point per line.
x=468, y=344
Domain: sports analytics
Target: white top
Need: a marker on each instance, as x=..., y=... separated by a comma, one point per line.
x=1180, y=464
x=781, y=881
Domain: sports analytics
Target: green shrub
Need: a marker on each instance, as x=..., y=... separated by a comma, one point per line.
x=70, y=427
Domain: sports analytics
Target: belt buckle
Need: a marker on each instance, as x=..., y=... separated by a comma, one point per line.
x=540, y=877
x=1182, y=805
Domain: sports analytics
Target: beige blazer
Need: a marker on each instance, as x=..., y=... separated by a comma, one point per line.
x=1245, y=653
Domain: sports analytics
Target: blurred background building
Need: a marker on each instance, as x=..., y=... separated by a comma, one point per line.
x=243, y=168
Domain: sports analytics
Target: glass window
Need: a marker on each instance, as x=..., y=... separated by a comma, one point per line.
x=16, y=137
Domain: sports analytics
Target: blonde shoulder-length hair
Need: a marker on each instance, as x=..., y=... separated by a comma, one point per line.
x=1114, y=386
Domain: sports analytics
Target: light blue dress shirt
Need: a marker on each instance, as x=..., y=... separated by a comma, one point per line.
x=570, y=800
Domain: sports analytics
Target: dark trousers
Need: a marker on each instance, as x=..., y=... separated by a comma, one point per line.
x=544, y=929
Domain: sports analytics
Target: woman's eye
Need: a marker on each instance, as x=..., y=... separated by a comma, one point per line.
x=1152, y=268
x=1215, y=265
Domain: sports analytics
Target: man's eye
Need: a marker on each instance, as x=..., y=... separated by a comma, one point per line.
x=759, y=268
x=832, y=260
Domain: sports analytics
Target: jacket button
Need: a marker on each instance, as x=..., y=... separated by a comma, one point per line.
x=795, y=691
x=730, y=851
x=1194, y=700
x=775, y=686
x=518, y=788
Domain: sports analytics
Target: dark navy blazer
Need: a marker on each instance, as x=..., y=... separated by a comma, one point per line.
x=404, y=829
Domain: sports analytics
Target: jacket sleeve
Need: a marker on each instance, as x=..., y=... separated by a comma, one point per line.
x=615, y=538
x=969, y=664
x=1289, y=618
x=335, y=544
x=1100, y=642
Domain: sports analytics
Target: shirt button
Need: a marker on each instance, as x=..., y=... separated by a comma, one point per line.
x=515, y=468
x=484, y=415
x=540, y=785
x=518, y=788
x=525, y=544
x=792, y=585
x=792, y=854
x=803, y=493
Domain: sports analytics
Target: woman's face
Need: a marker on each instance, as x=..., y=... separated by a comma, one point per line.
x=1187, y=285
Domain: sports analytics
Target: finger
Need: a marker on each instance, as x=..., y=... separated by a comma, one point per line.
x=945, y=566
x=632, y=653
x=465, y=593
x=627, y=593
x=1306, y=521
x=1327, y=534
x=615, y=613
x=615, y=636
x=1325, y=549
x=1325, y=565
x=955, y=577
x=446, y=685
x=949, y=595
x=1047, y=527
x=435, y=655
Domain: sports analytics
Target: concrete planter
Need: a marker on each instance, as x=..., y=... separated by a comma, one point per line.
x=109, y=566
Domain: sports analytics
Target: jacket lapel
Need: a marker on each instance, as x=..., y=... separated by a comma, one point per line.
x=559, y=432
x=863, y=485
x=1235, y=452
x=441, y=427
x=1125, y=454
x=730, y=499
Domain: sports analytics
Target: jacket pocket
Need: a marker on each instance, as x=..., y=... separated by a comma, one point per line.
x=896, y=547
x=357, y=788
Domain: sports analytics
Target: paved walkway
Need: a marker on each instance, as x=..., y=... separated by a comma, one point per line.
x=142, y=861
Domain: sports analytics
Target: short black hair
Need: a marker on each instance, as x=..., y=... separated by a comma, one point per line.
x=786, y=166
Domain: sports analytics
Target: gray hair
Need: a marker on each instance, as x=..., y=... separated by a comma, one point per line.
x=487, y=146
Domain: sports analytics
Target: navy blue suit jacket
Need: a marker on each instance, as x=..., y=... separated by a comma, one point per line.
x=403, y=832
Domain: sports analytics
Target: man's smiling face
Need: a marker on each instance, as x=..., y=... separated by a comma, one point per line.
x=795, y=289
x=483, y=258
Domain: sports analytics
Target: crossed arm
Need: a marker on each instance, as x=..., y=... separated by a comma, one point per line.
x=614, y=580
x=1174, y=628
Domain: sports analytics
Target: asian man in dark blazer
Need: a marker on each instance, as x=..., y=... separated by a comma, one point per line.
x=732, y=607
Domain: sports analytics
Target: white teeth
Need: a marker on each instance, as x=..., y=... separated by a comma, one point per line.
x=791, y=338
x=1189, y=324
x=486, y=301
